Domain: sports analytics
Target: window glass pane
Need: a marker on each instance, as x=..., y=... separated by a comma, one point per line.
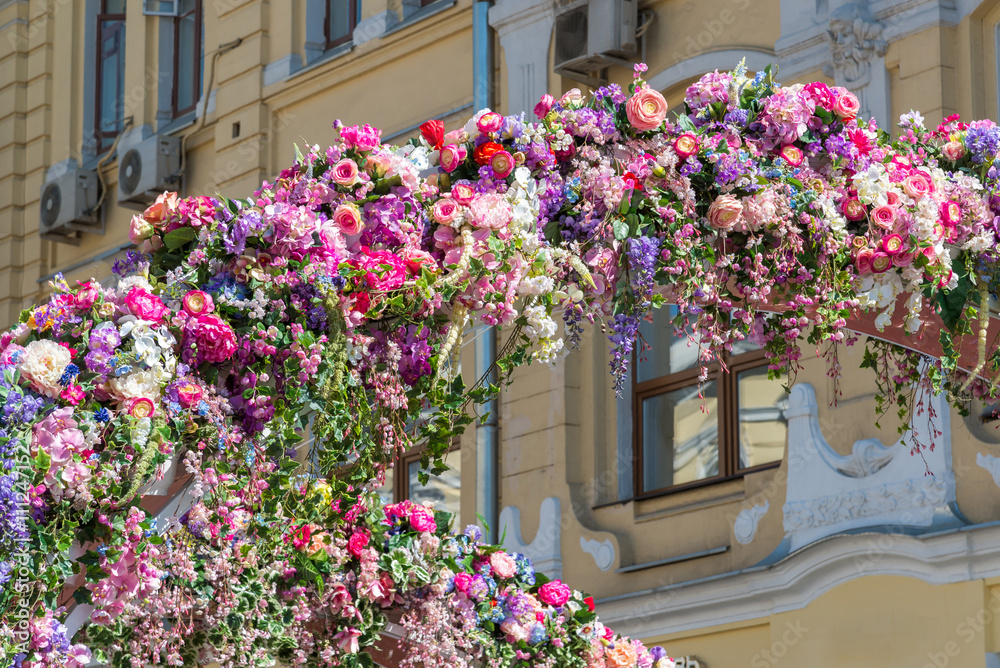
x=112, y=75
x=680, y=441
x=443, y=491
x=668, y=353
x=339, y=18
x=187, y=42
x=762, y=424
x=187, y=6
x=114, y=6
x=385, y=492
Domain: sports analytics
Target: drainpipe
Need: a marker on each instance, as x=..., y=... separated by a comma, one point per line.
x=487, y=433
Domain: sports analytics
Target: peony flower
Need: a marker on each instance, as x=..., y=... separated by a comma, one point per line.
x=725, y=212
x=43, y=363
x=214, y=338
x=463, y=193
x=145, y=305
x=189, y=394
x=621, y=655
x=554, y=593
x=345, y=173
x=347, y=218
x=646, y=109
x=386, y=270
x=422, y=519
x=462, y=582
x=358, y=542
x=491, y=211
x=197, y=302
x=450, y=158
x=361, y=137
x=503, y=565
x=489, y=122
x=544, y=106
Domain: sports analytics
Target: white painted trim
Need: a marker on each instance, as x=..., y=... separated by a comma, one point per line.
x=724, y=61
x=791, y=584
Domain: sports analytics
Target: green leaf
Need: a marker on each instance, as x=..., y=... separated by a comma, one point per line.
x=620, y=228
x=177, y=238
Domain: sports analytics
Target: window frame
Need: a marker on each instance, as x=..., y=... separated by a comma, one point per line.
x=401, y=470
x=105, y=138
x=198, y=65
x=727, y=415
x=352, y=23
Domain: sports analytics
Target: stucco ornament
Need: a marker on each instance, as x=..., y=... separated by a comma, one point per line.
x=745, y=526
x=603, y=552
x=855, y=38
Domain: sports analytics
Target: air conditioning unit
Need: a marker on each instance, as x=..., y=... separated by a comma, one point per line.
x=147, y=169
x=592, y=34
x=69, y=206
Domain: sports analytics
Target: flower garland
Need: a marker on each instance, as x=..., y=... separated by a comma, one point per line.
x=280, y=350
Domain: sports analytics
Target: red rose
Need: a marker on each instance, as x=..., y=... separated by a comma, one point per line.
x=484, y=153
x=589, y=602
x=433, y=132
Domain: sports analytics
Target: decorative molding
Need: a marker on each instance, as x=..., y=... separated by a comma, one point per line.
x=745, y=526
x=961, y=555
x=875, y=486
x=991, y=464
x=603, y=552
x=855, y=39
x=545, y=551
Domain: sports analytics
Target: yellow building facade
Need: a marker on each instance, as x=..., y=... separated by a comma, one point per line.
x=776, y=529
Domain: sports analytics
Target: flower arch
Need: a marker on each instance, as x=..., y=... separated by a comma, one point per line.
x=332, y=303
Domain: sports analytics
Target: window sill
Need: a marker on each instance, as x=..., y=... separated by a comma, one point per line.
x=420, y=15
x=326, y=57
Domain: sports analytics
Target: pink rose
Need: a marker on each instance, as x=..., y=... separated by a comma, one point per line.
x=347, y=217
x=646, y=109
x=386, y=270
x=358, y=542
x=197, y=302
x=422, y=519
x=853, y=208
x=863, y=260
x=489, y=122
x=544, y=106
x=503, y=565
x=725, y=212
x=953, y=150
x=554, y=593
x=502, y=163
x=917, y=185
x=189, y=394
x=792, y=154
x=881, y=262
x=884, y=216
x=846, y=106
x=951, y=213
x=140, y=407
x=145, y=305
x=139, y=230
x=903, y=259
x=463, y=193
x=892, y=244
x=446, y=211
x=450, y=157
x=86, y=295
x=214, y=338
x=362, y=137
x=686, y=145
x=462, y=581
x=345, y=172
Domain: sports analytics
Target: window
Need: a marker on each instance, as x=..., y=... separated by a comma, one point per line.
x=443, y=492
x=341, y=19
x=110, y=87
x=188, y=56
x=684, y=440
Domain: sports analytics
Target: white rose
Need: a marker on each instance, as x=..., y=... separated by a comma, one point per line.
x=43, y=364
